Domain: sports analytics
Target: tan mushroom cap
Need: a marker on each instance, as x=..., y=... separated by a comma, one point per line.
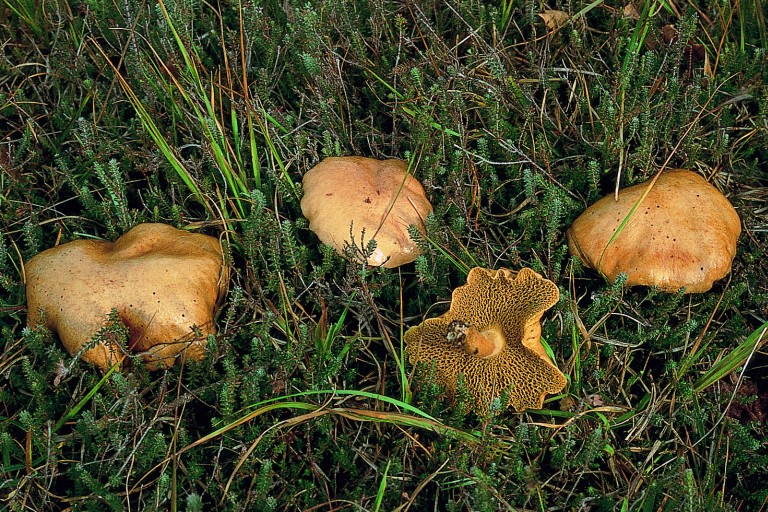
x=683, y=234
x=163, y=282
x=492, y=335
x=346, y=196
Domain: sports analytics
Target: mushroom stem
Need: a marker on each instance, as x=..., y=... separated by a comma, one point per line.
x=483, y=344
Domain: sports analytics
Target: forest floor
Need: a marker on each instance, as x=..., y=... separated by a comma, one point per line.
x=515, y=116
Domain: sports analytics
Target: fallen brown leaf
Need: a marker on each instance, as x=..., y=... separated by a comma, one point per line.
x=554, y=19
x=630, y=11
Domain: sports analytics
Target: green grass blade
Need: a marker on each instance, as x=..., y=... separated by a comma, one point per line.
x=275, y=154
x=76, y=409
x=382, y=488
x=734, y=359
x=350, y=392
x=207, y=120
x=413, y=111
x=156, y=135
x=425, y=421
x=255, y=166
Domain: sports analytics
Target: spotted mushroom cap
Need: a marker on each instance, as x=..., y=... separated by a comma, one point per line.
x=512, y=303
x=351, y=200
x=164, y=283
x=683, y=234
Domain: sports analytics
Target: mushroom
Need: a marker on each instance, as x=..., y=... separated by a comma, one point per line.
x=491, y=334
x=163, y=282
x=352, y=200
x=682, y=234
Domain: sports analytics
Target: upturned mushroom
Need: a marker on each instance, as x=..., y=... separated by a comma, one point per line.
x=352, y=200
x=164, y=283
x=682, y=234
x=491, y=334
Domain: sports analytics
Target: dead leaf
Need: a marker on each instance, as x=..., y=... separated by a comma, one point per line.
x=669, y=34
x=61, y=371
x=568, y=403
x=708, y=71
x=595, y=400
x=554, y=19
x=630, y=11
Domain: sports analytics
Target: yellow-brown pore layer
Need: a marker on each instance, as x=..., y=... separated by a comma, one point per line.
x=511, y=304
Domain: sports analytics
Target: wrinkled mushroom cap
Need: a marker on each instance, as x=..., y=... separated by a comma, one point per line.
x=351, y=200
x=511, y=305
x=683, y=234
x=163, y=282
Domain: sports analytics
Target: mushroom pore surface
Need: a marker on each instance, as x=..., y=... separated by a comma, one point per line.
x=506, y=309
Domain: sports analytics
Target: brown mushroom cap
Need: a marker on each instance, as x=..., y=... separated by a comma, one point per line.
x=502, y=310
x=346, y=196
x=163, y=282
x=683, y=234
